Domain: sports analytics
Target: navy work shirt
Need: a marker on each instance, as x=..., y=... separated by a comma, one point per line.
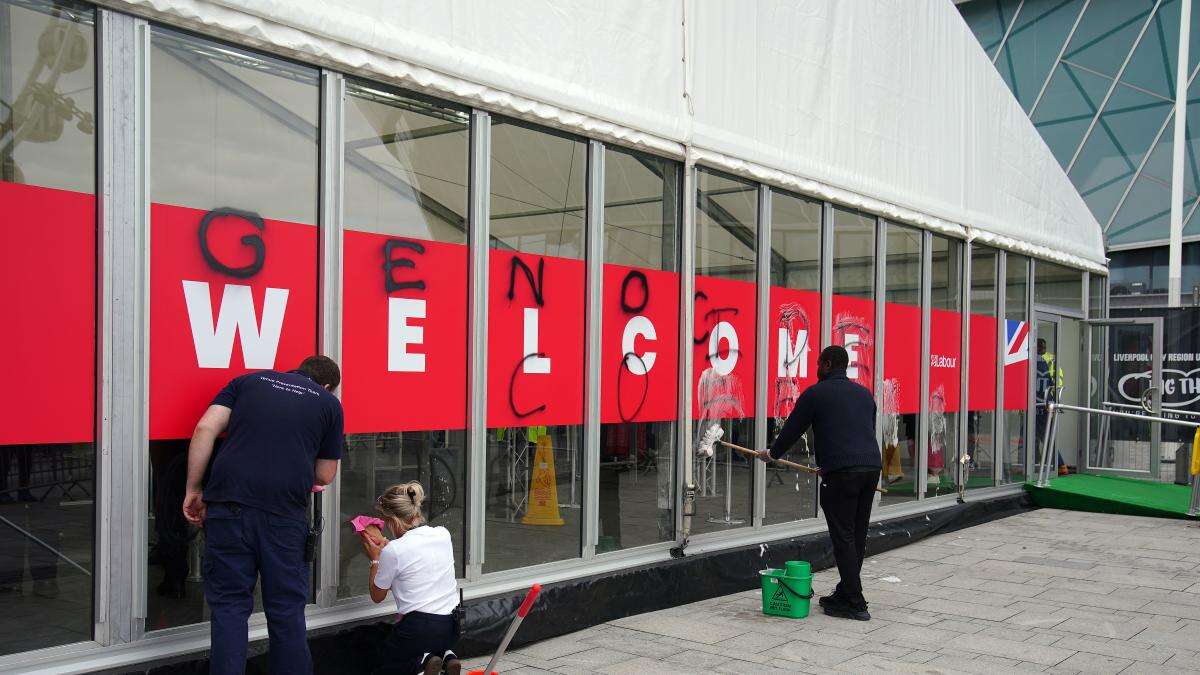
x=281, y=424
x=842, y=415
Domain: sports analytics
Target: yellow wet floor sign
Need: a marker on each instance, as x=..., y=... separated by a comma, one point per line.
x=543, y=487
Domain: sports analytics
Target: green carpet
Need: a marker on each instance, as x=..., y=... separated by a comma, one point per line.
x=906, y=485
x=1112, y=494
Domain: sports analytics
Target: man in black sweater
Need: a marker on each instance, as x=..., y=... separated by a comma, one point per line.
x=842, y=416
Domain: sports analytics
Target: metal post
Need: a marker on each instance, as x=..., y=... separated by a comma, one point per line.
x=926, y=316
x=479, y=189
x=1047, y=445
x=1175, y=255
x=332, y=134
x=964, y=364
x=123, y=326
x=593, y=359
x=827, y=274
x=1000, y=434
x=762, y=351
x=1031, y=373
x=687, y=312
x=879, y=292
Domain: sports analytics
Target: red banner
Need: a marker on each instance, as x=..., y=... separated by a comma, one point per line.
x=723, y=349
x=981, y=378
x=854, y=329
x=536, y=340
x=48, y=273
x=230, y=293
x=794, y=336
x=640, y=344
x=404, y=334
x=945, y=351
x=902, y=355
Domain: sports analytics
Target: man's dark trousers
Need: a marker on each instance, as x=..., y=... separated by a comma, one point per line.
x=846, y=498
x=242, y=543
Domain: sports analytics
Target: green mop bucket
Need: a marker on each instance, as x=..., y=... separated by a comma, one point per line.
x=787, y=592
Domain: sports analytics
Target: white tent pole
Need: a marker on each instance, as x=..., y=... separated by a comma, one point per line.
x=1175, y=261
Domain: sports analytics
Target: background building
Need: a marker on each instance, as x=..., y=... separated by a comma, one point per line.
x=1098, y=79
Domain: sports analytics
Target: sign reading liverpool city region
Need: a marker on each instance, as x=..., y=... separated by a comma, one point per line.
x=230, y=293
x=48, y=265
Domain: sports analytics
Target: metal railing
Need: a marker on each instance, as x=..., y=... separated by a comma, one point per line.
x=1053, y=409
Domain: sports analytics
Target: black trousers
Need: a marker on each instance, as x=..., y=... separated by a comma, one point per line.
x=411, y=638
x=846, y=498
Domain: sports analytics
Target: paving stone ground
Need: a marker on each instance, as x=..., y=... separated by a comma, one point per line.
x=1045, y=591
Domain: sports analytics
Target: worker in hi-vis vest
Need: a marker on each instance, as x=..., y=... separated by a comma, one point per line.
x=1047, y=387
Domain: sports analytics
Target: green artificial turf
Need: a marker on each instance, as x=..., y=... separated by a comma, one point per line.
x=1113, y=494
x=906, y=486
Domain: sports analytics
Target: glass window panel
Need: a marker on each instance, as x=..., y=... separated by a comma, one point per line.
x=854, y=292
x=639, y=400
x=1016, y=366
x=48, y=275
x=1191, y=273
x=1067, y=108
x=988, y=19
x=233, y=159
x=1121, y=138
x=1096, y=284
x=724, y=339
x=536, y=340
x=1160, y=163
x=404, y=312
x=1033, y=45
x=1058, y=286
x=1132, y=272
x=1106, y=33
x=945, y=353
x=794, y=331
x=1146, y=213
x=901, y=398
x=981, y=381
x=1152, y=66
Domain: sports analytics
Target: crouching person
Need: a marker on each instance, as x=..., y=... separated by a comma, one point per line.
x=418, y=568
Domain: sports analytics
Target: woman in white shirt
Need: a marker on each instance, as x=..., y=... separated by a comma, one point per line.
x=418, y=568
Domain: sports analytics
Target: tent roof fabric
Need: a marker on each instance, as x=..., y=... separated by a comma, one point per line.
x=885, y=105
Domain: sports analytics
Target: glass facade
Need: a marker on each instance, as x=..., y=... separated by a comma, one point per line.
x=248, y=213
x=48, y=273
x=1098, y=80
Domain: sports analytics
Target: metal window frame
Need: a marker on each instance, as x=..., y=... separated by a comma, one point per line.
x=879, y=293
x=594, y=234
x=1031, y=374
x=762, y=351
x=330, y=169
x=479, y=229
x=1001, y=452
x=684, y=472
x=964, y=359
x=1008, y=31
x=926, y=314
x=1058, y=59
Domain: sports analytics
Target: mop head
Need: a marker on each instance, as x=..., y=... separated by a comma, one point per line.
x=709, y=439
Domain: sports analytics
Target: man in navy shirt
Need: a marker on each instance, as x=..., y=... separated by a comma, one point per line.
x=284, y=436
x=842, y=416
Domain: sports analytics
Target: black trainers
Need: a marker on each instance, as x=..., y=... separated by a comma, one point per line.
x=433, y=664
x=450, y=663
x=844, y=611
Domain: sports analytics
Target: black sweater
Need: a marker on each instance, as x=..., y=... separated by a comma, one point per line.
x=842, y=416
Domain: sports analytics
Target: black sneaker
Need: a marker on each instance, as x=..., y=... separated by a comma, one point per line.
x=831, y=600
x=844, y=611
x=450, y=663
x=433, y=664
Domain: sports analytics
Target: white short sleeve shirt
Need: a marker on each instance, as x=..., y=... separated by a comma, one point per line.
x=418, y=567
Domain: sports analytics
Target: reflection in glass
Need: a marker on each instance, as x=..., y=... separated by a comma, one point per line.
x=405, y=181
x=724, y=345
x=637, y=439
x=793, y=330
x=538, y=183
x=1016, y=365
x=854, y=292
x=1058, y=286
x=901, y=396
x=981, y=384
x=229, y=128
x=945, y=342
x=47, y=453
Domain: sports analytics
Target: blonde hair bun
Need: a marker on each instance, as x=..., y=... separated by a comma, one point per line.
x=402, y=501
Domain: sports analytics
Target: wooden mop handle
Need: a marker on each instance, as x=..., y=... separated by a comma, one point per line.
x=784, y=462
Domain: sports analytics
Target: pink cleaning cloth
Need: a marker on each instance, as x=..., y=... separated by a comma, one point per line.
x=361, y=523
x=318, y=488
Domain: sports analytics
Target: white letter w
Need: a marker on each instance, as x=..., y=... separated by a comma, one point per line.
x=214, y=345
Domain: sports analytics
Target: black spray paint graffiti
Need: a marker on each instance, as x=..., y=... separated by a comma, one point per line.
x=794, y=320
x=252, y=240
x=391, y=263
x=536, y=287
x=628, y=357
